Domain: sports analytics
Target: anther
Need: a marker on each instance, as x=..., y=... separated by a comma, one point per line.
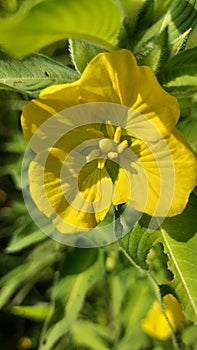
x=112, y=155
x=117, y=134
x=101, y=163
x=121, y=147
x=110, y=129
x=93, y=155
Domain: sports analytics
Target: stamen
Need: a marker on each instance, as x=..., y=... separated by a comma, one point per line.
x=112, y=155
x=110, y=129
x=95, y=132
x=117, y=134
x=121, y=147
x=95, y=153
x=101, y=163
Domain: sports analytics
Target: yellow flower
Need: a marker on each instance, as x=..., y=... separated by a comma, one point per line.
x=157, y=325
x=132, y=153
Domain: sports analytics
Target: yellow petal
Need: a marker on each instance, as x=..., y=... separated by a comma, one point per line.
x=110, y=77
x=162, y=177
x=74, y=204
x=65, y=130
x=172, y=304
x=115, y=77
x=156, y=325
x=52, y=100
x=185, y=164
x=122, y=192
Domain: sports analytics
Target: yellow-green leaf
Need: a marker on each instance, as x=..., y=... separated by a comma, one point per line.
x=53, y=20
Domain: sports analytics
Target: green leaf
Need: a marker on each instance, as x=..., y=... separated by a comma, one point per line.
x=183, y=15
x=180, y=72
x=96, y=335
x=161, y=8
x=189, y=129
x=153, y=51
x=139, y=241
x=32, y=74
x=189, y=337
x=27, y=273
x=35, y=313
x=142, y=38
x=79, y=273
x=53, y=20
x=130, y=11
x=192, y=41
x=179, y=237
x=138, y=299
x=25, y=236
x=82, y=52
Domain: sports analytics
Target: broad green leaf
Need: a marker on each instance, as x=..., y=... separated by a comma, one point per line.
x=35, y=313
x=179, y=237
x=49, y=21
x=189, y=129
x=32, y=74
x=189, y=337
x=180, y=72
x=81, y=271
x=82, y=52
x=183, y=15
x=192, y=41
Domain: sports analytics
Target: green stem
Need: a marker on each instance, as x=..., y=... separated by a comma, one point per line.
x=157, y=293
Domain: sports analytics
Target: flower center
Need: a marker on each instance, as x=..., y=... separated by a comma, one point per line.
x=108, y=148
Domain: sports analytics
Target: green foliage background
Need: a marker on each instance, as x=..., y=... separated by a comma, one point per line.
x=55, y=297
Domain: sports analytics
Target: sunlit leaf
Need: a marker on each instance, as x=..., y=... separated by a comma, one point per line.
x=35, y=313
x=49, y=21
